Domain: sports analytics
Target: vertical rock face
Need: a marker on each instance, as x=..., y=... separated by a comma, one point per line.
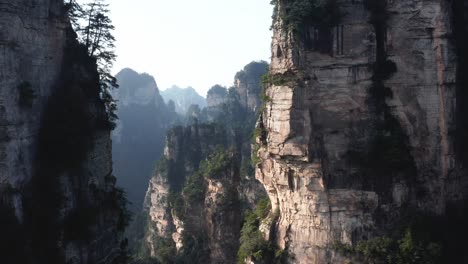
x=201, y=211
x=185, y=148
x=204, y=185
x=33, y=41
x=363, y=124
x=222, y=214
x=57, y=196
x=161, y=223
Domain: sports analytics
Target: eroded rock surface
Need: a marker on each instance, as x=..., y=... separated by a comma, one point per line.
x=363, y=124
x=55, y=148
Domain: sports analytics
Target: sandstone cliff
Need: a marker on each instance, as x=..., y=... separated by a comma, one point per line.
x=58, y=200
x=191, y=200
x=204, y=185
x=363, y=129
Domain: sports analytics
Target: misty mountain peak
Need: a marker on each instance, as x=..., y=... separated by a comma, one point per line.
x=136, y=88
x=183, y=98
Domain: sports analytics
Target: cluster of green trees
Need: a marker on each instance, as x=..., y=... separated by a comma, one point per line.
x=217, y=163
x=253, y=244
x=94, y=28
x=408, y=248
x=187, y=206
x=230, y=116
x=298, y=14
x=222, y=163
x=416, y=238
x=215, y=166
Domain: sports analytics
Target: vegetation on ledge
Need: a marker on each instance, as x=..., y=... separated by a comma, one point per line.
x=300, y=14
x=408, y=248
x=217, y=164
x=253, y=244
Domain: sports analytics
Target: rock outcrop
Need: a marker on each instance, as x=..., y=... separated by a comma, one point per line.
x=177, y=211
x=364, y=125
x=58, y=199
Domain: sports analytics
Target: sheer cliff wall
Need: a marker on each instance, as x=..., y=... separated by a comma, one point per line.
x=58, y=199
x=364, y=123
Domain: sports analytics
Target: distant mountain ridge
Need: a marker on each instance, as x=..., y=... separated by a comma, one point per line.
x=183, y=98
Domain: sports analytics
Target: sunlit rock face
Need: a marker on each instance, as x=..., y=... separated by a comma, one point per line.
x=364, y=124
x=55, y=148
x=204, y=184
x=185, y=148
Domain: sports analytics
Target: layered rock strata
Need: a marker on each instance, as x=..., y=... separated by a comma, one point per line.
x=363, y=123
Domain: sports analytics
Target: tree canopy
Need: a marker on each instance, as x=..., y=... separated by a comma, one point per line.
x=94, y=28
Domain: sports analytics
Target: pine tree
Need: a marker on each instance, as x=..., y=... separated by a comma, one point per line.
x=94, y=28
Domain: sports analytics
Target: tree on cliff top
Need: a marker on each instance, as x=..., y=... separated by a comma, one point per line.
x=94, y=28
x=217, y=90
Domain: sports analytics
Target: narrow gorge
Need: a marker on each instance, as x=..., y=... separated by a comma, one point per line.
x=205, y=182
x=358, y=145
x=349, y=146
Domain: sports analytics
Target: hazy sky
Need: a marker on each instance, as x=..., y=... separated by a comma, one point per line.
x=191, y=43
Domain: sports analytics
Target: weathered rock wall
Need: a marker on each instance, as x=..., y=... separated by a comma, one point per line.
x=55, y=165
x=185, y=148
x=364, y=128
x=197, y=198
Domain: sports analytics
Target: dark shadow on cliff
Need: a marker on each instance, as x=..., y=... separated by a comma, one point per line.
x=460, y=30
x=73, y=115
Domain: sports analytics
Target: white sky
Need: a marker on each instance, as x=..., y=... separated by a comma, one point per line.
x=191, y=43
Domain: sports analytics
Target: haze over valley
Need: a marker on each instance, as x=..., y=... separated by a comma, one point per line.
x=233, y=132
